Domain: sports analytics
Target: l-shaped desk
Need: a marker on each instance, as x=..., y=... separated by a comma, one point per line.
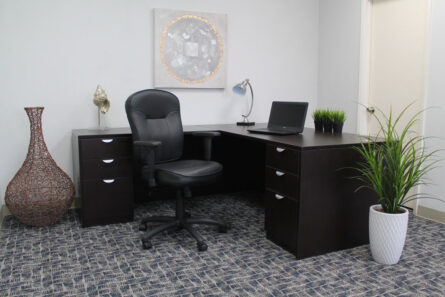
x=310, y=202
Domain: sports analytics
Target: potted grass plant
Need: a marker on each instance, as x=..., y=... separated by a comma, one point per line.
x=317, y=115
x=338, y=119
x=327, y=121
x=393, y=163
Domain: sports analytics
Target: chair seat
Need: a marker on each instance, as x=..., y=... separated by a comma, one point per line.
x=187, y=172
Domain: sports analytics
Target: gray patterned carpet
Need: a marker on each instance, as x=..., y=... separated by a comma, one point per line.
x=66, y=260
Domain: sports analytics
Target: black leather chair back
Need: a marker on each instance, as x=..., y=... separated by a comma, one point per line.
x=155, y=115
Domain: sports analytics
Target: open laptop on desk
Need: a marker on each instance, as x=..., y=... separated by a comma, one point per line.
x=285, y=118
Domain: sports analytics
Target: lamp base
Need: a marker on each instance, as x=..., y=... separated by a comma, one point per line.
x=245, y=123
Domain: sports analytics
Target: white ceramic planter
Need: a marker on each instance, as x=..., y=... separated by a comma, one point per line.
x=387, y=233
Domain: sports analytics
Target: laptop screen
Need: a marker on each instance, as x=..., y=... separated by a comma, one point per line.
x=288, y=115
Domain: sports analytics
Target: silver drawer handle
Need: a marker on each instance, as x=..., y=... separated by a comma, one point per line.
x=108, y=181
x=107, y=140
x=108, y=161
x=279, y=197
x=280, y=150
x=279, y=173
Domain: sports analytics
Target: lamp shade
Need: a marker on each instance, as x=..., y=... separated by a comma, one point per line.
x=240, y=88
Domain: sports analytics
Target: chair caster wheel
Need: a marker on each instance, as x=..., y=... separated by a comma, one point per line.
x=223, y=229
x=146, y=244
x=202, y=247
x=142, y=227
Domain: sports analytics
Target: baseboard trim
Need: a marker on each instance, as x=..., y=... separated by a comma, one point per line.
x=431, y=214
x=4, y=211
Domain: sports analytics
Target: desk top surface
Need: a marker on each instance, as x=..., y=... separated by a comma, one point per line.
x=309, y=139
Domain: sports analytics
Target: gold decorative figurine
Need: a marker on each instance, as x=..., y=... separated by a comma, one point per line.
x=102, y=103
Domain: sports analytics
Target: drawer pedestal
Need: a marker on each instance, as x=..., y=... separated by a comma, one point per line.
x=103, y=176
x=281, y=198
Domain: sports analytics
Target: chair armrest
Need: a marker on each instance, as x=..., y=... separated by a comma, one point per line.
x=150, y=159
x=148, y=143
x=208, y=136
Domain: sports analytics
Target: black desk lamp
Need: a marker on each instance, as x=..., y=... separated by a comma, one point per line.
x=240, y=89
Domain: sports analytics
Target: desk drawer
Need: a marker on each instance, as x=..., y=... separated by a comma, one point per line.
x=106, y=168
x=107, y=200
x=283, y=158
x=281, y=182
x=281, y=220
x=105, y=148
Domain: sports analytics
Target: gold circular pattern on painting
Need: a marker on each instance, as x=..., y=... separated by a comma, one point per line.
x=221, y=48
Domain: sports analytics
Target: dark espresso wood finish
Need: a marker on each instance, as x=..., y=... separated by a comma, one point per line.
x=317, y=210
x=309, y=139
x=310, y=202
x=106, y=203
x=105, y=147
x=283, y=158
x=107, y=168
x=282, y=220
x=282, y=182
x=332, y=216
x=103, y=176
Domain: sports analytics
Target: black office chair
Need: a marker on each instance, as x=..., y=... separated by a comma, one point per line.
x=155, y=122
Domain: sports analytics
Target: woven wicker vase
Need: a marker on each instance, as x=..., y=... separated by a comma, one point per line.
x=40, y=193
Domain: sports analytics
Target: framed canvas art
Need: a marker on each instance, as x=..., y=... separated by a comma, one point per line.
x=189, y=49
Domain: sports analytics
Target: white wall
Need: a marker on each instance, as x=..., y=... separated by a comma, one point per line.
x=434, y=122
x=54, y=53
x=339, y=57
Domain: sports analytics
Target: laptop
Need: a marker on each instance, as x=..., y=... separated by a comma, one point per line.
x=285, y=118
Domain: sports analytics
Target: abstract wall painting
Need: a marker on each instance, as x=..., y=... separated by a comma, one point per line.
x=190, y=49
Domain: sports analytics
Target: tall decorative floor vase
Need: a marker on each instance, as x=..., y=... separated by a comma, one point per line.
x=40, y=193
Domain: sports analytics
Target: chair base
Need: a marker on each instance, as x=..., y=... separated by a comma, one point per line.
x=182, y=220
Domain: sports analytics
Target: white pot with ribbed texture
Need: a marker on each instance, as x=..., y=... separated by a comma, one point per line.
x=387, y=233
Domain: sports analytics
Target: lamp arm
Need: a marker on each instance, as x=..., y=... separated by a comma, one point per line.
x=251, y=104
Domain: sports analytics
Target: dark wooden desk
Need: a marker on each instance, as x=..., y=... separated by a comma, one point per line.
x=310, y=204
